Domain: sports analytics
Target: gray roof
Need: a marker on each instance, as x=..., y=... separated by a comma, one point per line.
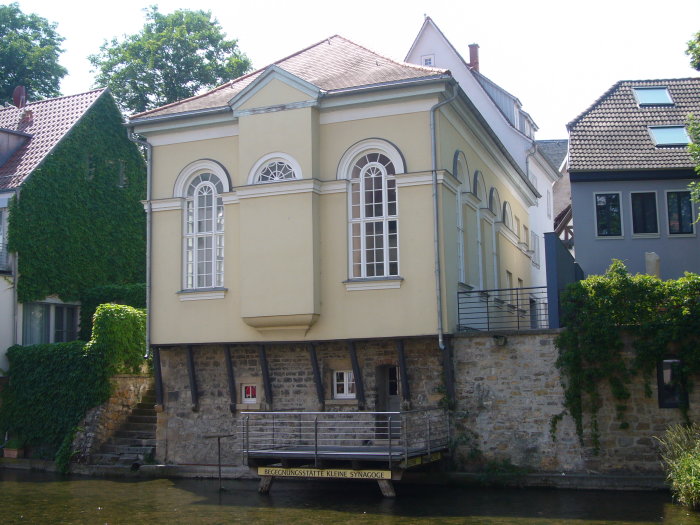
x=553, y=150
x=334, y=64
x=613, y=134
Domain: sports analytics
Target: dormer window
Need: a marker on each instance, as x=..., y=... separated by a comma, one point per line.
x=653, y=96
x=669, y=135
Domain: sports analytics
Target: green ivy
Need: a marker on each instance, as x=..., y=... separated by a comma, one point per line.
x=661, y=315
x=52, y=386
x=129, y=294
x=78, y=222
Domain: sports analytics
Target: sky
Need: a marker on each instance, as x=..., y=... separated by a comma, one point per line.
x=556, y=56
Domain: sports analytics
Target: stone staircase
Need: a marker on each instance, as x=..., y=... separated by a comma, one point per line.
x=135, y=442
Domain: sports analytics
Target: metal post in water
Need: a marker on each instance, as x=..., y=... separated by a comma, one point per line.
x=390, y=443
x=218, y=449
x=273, y=430
x=247, y=439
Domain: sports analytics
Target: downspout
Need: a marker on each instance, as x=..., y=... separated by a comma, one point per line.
x=436, y=216
x=149, y=233
x=15, y=279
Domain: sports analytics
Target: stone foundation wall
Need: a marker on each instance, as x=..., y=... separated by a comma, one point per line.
x=506, y=398
x=103, y=421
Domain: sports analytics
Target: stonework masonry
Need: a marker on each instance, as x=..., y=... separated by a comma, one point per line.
x=103, y=421
x=506, y=397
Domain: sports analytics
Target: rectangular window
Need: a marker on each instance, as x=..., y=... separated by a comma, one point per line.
x=428, y=60
x=49, y=323
x=526, y=236
x=343, y=384
x=4, y=259
x=653, y=96
x=680, y=213
x=608, y=215
x=669, y=135
x=535, y=247
x=644, y=217
x=517, y=227
x=671, y=386
x=249, y=394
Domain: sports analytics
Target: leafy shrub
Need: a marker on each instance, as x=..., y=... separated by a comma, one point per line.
x=119, y=332
x=128, y=294
x=680, y=450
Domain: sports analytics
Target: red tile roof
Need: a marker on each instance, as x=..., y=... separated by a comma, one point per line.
x=47, y=122
x=333, y=64
x=613, y=134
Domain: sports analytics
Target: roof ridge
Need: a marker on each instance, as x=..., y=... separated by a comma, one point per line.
x=52, y=99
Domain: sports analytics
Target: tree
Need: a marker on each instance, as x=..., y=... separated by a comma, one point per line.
x=694, y=51
x=174, y=56
x=29, y=51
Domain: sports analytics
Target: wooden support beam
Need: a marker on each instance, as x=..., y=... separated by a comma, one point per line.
x=262, y=357
x=158, y=377
x=231, y=379
x=403, y=371
x=265, y=484
x=359, y=384
x=448, y=370
x=193, y=379
x=387, y=488
x=317, y=373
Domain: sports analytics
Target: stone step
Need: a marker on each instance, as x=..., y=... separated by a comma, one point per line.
x=142, y=419
x=143, y=412
x=145, y=406
x=133, y=426
x=134, y=434
x=127, y=449
x=112, y=444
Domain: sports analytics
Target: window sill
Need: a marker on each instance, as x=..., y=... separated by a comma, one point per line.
x=341, y=402
x=646, y=236
x=680, y=235
x=202, y=294
x=609, y=237
x=248, y=407
x=380, y=283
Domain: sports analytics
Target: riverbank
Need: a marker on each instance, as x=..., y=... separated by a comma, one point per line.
x=559, y=480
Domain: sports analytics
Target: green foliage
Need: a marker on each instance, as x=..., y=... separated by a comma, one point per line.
x=119, y=331
x=29, y=51
x=663, y=316
x=680, y=450
x=79, y=222
x=693, y=51
x=174, y=56
x=52, y=386
x=693, y=127
x=129, y=294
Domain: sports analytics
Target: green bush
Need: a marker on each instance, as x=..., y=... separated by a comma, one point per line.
x=119, y=332
x=680, y=450
x=129, y=294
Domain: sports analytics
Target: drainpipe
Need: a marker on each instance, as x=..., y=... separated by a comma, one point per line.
x=436, y=216
x=15, y=278
x=149, y=234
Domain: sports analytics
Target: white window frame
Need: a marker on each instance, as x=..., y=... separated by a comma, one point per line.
x=50, y=307
x=266, y=160
x=693, y=217
x=348, y=378
x=658, y=223
x=595, y=215
x=428, y=60
x=245, y=399
x=461, y=173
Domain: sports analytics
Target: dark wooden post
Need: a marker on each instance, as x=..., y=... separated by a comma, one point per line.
x=193, y=379
x=262, y=357
x=231, y=378
x=448, y=371
x=359, y=385
x=158, y=377
x=403, y=371
x=317, y=373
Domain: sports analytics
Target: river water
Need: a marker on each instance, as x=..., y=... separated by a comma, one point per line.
x=38, y=498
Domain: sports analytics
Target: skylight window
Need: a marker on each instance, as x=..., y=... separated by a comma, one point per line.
x=653, y=96
x=669, y=135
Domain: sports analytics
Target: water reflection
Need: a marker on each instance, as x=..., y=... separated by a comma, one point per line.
x=44, y=498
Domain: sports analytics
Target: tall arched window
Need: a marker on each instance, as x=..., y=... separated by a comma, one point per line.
x=461, y=172
x=374, y=226
x=204, y=233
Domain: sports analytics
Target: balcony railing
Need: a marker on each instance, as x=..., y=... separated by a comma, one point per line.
x=503, y=309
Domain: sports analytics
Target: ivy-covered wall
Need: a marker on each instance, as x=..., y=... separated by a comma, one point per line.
x=79, y=222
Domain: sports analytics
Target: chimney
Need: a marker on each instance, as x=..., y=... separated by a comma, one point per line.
x=474, y=57
x=19, y=97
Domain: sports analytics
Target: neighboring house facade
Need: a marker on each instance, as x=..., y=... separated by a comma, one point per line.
x=629, y=169
x=307, y=216
x=54, y=174
x=514, y=128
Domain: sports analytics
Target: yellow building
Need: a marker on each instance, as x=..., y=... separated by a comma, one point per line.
x=333, y=199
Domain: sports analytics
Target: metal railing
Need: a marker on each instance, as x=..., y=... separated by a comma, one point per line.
x=503, y=309
x=378, y=436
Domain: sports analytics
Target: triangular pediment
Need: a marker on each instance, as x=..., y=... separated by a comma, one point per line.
x=275, y=89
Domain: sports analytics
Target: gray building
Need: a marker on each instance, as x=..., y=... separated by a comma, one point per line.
x=630, y=168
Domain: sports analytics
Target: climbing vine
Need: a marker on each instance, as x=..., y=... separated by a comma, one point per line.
x=52, y=386
x=660, y=316
x=78, y=222
x=129, y=294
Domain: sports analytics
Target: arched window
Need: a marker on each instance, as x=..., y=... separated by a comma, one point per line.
x=479, y=188
x=201, y=184
x=461, y=173
x=508, y=215
x=495, y=203
x=373, y=217
x=204, y=233
x=274, y=167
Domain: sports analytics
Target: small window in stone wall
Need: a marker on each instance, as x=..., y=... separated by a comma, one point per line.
x=249, y=394
x=343, y=384
x=671, y=384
